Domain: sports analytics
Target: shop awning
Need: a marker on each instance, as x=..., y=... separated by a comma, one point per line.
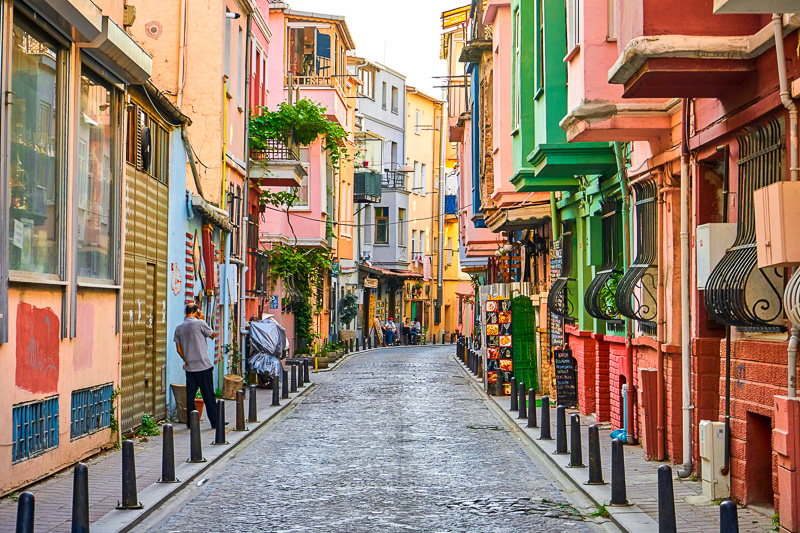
x=385, y=272
x=522, y=217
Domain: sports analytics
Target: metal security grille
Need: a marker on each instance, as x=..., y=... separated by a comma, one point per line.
x=260, y=262
x=738, y=293
x=35, y=428
x=558, y=299
x=599, y=297
x=91, y=410
x=636, y=291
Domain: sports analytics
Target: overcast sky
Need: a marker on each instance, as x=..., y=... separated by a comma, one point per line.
x=406, y=32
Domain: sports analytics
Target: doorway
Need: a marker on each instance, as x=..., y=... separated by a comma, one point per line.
x=758, y=455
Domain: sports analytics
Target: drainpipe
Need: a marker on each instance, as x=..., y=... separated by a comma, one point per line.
x=181, y=53
x=660, y=323
x=626, y=200
x=245, y=200
x=686, y=356
x=440, y=270
x=726, y=465
x=794, y=171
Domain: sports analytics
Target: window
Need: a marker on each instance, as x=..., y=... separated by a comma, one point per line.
x=309, y=55
x=381, y=225
x=34, y=427
x=573, y=24
x=423, y=179
x=234, y=205
x=422, y=242
x=383, y=96
x=413, y=244
x=90, y=410
x=147, y=143
x=517, y=67
x=612, y=20
x=401, y=227
x=302, y=191
x=417, y=122
x=393, y=155
x=416, y=177
x=36, y=215
x=395, y=99
x=367, y=77
x=96, y=179
x=240, y=71
x=605, y=281
x=558, y=299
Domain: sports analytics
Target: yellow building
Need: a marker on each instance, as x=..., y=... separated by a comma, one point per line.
x=424, y=152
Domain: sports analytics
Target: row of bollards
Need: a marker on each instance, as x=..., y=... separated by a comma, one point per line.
x=729, y=521
x=130, y=499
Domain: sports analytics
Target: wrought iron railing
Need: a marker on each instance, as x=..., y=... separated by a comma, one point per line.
x=636, y=295
x=275, y=150
x=738, y=293
x=394, y=180
x=599, y=298
x=558, y=300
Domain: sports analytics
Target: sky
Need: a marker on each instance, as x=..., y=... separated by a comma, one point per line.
x=405, y=32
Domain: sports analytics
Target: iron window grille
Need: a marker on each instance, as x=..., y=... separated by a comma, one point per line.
x=738, y=293
x=599, y=297
x=558, y=300
x=636, y=291
x=260, y=280
x=235, y=216
x=91, y=410
x=35, y=428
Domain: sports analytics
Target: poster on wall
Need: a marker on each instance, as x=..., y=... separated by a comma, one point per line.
x=499, y=341
x=556, y=323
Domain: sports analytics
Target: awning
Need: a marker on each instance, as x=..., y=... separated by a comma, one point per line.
x=529, y=216
x=215, y=215
x=377, y=271
x=118, y=52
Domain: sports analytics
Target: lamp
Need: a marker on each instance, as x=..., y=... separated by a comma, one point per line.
x=406, y=168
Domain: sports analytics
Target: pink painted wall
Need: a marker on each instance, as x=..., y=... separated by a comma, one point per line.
x=479, y=242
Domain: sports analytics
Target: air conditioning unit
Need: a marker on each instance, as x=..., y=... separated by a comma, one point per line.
x=777, y=238
x=712, y=242
x=712, y=458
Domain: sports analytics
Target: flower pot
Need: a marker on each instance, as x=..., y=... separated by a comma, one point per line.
x=199, y=404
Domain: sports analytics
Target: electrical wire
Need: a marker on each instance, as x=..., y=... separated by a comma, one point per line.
x=279, y=210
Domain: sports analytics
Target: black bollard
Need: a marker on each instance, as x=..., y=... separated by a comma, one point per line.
x=666, y=501
x=532, y=408
x=285, y=383
x=25, y=512
x=499, y=387
x=167, y=455
x=195, y=446
x=514, y=403
x=130, y=498
x=276, y=392
x=544, y=433
x=299, y=374
x=619, y=495
x=219, y=434
x=369, y=342
x=80, y=499
x=522, y=401
x=728, y=518
x=252, y=415
x=561, y=430
x=293, y=379
x=575, y=451
x=306, y=373
x=595, y=465
x=240, y=411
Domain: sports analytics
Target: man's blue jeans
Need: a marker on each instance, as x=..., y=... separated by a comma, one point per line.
x=388, y=337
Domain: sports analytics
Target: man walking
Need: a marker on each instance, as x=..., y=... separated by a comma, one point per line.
x=190, y=340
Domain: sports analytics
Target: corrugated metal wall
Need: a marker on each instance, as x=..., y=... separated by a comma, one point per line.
x=144, y=336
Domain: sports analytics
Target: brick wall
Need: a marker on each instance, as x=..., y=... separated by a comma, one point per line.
x=706, y=372
x=673, y=405
x=602, y=390
x=758, y=373
x=584, y=352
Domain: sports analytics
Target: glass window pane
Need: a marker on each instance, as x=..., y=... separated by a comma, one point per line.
x=95, y=180
x=35, y=188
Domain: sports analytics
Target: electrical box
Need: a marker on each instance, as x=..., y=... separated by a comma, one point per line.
x=777, y=238
x=712, y=459
x=712, y=242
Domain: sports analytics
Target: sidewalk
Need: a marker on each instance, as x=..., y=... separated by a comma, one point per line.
x=54, y=495
x=693, y=512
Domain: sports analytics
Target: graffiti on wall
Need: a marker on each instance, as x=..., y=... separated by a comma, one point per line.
x=37, y=349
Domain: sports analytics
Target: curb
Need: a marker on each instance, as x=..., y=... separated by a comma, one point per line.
x=154, y=496
x=630, y=518
x=344, y=358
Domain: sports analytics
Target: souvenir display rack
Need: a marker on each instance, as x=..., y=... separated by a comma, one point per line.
x=499, y=343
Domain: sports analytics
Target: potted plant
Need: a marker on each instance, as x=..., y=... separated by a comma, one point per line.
x=198, y=403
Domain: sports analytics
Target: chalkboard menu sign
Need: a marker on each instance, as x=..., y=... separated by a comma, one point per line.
x=498, y=342
x=556, y=326
x=566, y=378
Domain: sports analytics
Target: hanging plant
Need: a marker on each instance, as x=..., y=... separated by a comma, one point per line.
x=302, y=122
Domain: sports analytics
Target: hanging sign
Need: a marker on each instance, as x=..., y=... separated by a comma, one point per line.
x=371, y=283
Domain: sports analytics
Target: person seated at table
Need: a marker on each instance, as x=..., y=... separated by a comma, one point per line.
x=388, y=331
x=406, y=331
x=415, y=329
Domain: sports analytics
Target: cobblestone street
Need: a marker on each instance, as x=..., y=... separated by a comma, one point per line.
x=394, y=440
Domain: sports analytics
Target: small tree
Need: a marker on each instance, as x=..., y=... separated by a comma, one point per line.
x=348, y=308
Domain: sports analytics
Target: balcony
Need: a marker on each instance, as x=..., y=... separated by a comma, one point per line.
x=394, y=180
x=451, y=205
x=276, y=164
x=367, y=187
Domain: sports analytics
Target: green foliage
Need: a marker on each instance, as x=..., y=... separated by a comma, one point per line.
x=303, y=122
x=198, y=395
x=348, y=308
x=218, y=393
x=607, y=293
x=601, y=512
x=149, y=426
x=776, y=522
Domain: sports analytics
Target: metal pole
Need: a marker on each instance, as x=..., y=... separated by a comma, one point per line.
x=167, y=456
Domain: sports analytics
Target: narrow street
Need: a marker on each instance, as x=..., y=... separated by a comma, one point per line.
x=394, y=440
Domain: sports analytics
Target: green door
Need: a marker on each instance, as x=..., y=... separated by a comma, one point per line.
x=523, y=344
x=413, y=311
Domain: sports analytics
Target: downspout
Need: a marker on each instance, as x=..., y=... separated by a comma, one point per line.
x=686, y=356
x=440, y=269
x=622, y=176
x=660, y=323
x=794, y=171
x=245, y=198
x=192, y=165
x=181, y=53
x=725, y=470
